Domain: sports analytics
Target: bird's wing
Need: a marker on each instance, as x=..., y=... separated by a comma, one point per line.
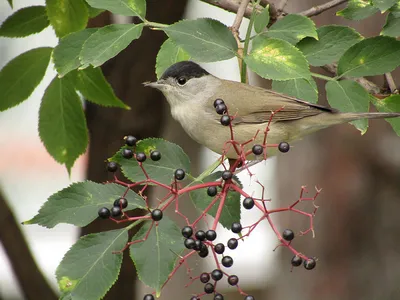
x=248, y=111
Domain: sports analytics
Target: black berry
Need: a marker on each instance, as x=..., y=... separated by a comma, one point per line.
x=205, y=277
x=218, y=297
x=219, y=248
x=218, y=102
x=236, y=227
x=257, y=149
x=227, y=175
x=249, y=297
x=209, y=288
x=112, y=166
x=130, y=140
x=157, y=214
x=140, y=157
x=148, y=297
x=217, y=274
x=200, y=235
x=220, y=109
x=211, y=235
x=187, y=231
x=194, y=298
x=212, y=191
x=127, y=153
x=121, y=202
x=233, y=280
x=296, y=261
x=232, y=243
x=288, y=235
x=189, y=243
x=310, y=264
x=225, y=120
x=104, y=213
x=155, y=155
x=284, y=147
x=227, y=261
x=204, y=251
x=197, y=245
x=248, y=203
x=116, y=211
x=179, y=174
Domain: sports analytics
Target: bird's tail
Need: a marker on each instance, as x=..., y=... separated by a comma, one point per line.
x=348, y=117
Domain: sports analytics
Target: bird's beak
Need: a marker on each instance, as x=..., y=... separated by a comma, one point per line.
x=155, y=85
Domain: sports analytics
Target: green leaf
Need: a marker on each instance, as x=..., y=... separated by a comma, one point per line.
x=122, y=7
x=358, y=10
x=231, y=210
x=107, y=42
x=94, y=87
x=205, y=40
x=79, y=203
x=67, y=16
x=349, y=96
x=62, y=123
x=333, y=41
x=301, y=88
x=172, y=158
x=277, y=59
x=372, y=56
x=392, y=25
x=384, y=5
x=94, y=12
x=66, y=53
x=90, y=268
x=10, y=2
x=261, y=20
x=389, y=105
x=292, y=29
x=156, y=257
x=24, y=22
x=20, y=76
x=168, y=55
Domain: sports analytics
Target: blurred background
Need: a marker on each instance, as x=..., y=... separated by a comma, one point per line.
x=357, y=228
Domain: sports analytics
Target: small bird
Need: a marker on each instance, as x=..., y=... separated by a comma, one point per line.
x=191, y=91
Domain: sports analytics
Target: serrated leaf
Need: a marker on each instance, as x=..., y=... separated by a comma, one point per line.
x=358, y=10
x=333, y=41
x=168, y=55
x=349, y=96
x=277, y=59
x=24, y=22
x=261, y=20
x=389, y=105
x=122, y=7
x=107, y=42
x=66, y=53
x=90, y=268
x=372, y=56
x=62, y=123
x=172, y=158
x=392, y=25
x=78, y=204
x=94, y=12
x=21, y=75
x=301, y=88
x=95, y=88
x=384, y=5
x=156, y=257
x=231, y=210
x=292, y=29
x=67, y=16
x=205, y=40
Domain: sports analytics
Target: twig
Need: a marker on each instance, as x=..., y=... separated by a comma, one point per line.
x=391, y=83
x=233, y=6
x=240, y=15
x=281, y=6
x=316, y=10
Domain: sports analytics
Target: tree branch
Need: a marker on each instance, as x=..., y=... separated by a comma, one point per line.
x=233, y=6
x=316, y=10
x=391, y=83
x=240, y=15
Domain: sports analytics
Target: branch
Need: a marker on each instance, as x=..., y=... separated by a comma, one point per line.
x=316, y=10
x=31, y=280
x=233, y=6
x=281, y=5
x=391, y=83
x=240, y=15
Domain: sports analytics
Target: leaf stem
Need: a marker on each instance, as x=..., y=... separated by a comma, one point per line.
x=155, y=24
x=322, y=77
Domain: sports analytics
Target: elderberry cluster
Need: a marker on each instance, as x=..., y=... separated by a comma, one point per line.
x=198, y=242
x=221, y=109
x=115, y=211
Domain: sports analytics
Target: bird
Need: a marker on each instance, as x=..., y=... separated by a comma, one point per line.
x=191, y=92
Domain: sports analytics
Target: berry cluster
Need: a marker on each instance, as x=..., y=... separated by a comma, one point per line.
x=203, y=242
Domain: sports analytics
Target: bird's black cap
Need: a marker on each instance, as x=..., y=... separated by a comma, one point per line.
x=186, y=69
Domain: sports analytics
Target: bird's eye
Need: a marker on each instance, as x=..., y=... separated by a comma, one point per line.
x=182, y=80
